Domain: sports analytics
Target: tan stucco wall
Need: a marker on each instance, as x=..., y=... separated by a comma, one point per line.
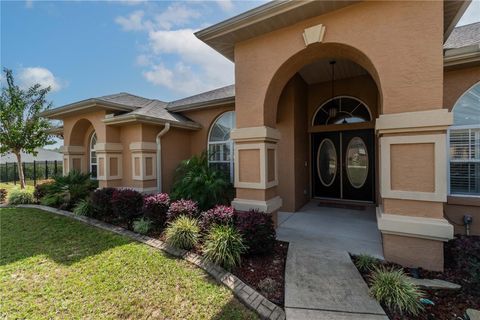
x=204, y=117
x=293, y=146
x=413, y=252
x=397, y=57
x=456, y=83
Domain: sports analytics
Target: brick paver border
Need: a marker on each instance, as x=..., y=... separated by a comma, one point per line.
x=249, y=296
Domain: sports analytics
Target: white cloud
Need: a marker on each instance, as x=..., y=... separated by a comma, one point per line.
x=29, y=4
x=134, y=22
x=199, y=67
x=226, y=5
x=31, y=76
x=175, y=15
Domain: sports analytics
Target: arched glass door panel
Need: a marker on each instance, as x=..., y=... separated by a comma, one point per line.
x=342, y=110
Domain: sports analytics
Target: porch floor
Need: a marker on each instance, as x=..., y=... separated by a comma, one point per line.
x=351, y=230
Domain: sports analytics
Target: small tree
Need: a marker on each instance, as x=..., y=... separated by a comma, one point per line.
x=21, y=127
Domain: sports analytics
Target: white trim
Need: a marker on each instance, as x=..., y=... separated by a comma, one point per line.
x=143, y=146
x=262, y=133
x=92, y=149
x=339, y=97
x=143, y=175
x=262, y=148
x=440, y=192
x=73, y=150
x=112, y=147
x=313, y=34
x=417, y=227
x=437, y=119
x=268, y=206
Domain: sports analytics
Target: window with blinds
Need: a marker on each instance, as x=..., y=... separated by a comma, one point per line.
x=465, y=161
x=464, y=138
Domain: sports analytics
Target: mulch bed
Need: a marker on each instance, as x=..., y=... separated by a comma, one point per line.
x=449, y=304
x=266, y=273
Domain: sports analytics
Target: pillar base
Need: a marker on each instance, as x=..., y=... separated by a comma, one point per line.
x=268, y=206
x=413, y=252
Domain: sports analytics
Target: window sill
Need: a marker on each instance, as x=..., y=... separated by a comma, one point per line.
x=464, y=200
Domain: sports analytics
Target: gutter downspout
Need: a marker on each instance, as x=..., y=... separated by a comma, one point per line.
x=159, y=155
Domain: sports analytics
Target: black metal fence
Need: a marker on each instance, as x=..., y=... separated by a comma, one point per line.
x=33, y=171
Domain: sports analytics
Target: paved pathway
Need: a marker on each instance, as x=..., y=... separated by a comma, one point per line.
x=324, y=284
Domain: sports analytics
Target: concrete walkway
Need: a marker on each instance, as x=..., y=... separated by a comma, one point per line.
x=354, y=231
x=321, y=281
x=324, y=284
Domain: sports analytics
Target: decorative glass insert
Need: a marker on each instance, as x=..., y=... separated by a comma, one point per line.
x=93, y=156
x=327, y=162
x=342, y=110
x=357, y=162
x=220, y=147
x=464, y=139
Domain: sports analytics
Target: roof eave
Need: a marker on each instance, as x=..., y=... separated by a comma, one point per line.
x=469, y=55
x=85, y=104
x=456, y=18
x=203, y=104
x=129, y=118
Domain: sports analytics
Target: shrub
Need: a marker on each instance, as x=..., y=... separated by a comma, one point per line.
x=142, y=225
x=3, y=195
x=224, y=246
x=20, y=197
x=196, y=180
x=102, y=203
x=155, y=208
x=365, y=262
x=83, y=208
x=41, y=189
x=73, y=187
x=182, y=207
x=393, y=289
x=465, y=257
x=221, y=215
x=57, y=200
x=257, y=230
x=126, y=204
x=183, y=233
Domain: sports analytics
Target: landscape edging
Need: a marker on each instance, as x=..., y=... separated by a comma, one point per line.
x=249, y=296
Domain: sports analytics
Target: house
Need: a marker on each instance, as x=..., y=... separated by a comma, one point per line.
x=351, y=101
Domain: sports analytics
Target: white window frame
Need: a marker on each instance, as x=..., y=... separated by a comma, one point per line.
x=450, y=160
x=91, y=150
x=229, y=142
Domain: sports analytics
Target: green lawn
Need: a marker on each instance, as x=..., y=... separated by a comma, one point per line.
x=10, y=186
x=54, y=267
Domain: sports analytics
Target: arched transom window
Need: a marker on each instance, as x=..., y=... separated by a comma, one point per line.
x=93, y=155
x=220, y=147
x=464, y=139
x=342, y=110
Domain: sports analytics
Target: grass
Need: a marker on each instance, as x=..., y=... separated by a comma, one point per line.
x=54, y=267
x=10, y=186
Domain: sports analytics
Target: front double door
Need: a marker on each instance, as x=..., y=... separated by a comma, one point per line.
x=343, y=165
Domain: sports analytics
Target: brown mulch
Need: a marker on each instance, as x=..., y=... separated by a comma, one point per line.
x=448, y=304
x=266, y=273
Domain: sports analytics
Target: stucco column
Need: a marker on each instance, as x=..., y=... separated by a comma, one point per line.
x=413, y=187
x=73, y=159
x=256, y=169
x=109, y=164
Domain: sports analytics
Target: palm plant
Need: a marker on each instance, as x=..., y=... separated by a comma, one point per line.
x=196, y=180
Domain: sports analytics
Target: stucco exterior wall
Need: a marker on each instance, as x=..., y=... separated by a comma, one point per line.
x=456, y=83
x=405, y=59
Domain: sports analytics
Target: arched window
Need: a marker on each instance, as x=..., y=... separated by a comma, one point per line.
x=93, y=155
x=220, y=147
x=342, y=110
x=464, y=139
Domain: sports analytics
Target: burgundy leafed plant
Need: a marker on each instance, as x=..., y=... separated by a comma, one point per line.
x=127, y=204
x=182, y=207
x=221, y=215
x=257, y=230
x=155, y=208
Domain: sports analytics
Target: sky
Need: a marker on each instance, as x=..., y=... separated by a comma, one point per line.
x=84, y=49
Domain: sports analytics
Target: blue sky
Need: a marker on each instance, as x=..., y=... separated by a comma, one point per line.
x=85, y=49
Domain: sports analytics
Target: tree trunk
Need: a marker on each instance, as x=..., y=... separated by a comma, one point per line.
x=21, y=177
